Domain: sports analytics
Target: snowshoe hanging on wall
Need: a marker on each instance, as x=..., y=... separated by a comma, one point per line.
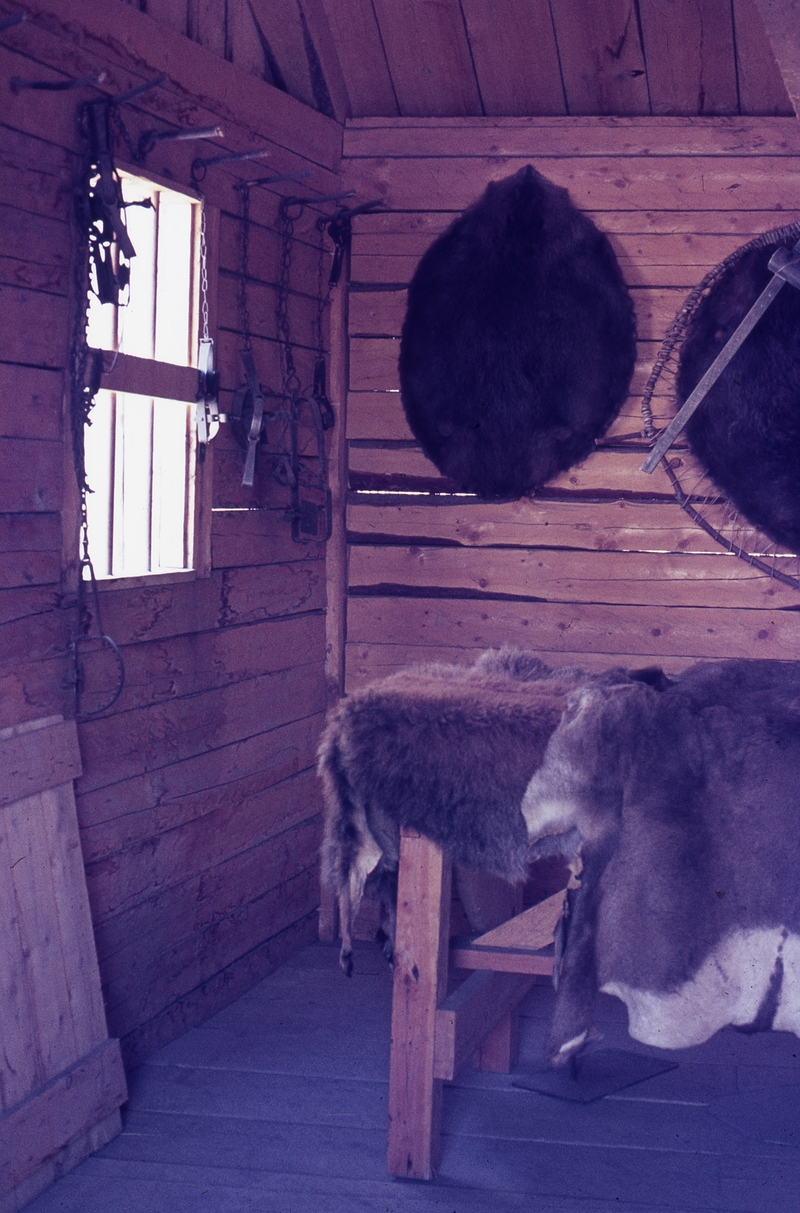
x=746, y=432
x=519, y=340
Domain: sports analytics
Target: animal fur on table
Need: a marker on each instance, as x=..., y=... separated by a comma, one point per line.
x=746, y=433
x=449, y=751
x=687, y=809
x=519, y=341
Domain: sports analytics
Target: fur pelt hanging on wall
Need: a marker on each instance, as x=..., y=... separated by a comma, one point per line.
x=746, y=433
x=519, y=340
x=448, y=750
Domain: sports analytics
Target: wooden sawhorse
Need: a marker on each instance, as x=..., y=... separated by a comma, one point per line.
x=433, y=1034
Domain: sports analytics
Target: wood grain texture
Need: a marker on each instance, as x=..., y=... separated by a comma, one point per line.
x=216, y=992
x=246, y=48
x=689, y=54
x=206, y=24
x=85, y=1094
x=607, y=632
x=61, y=1075
x=130, y=877
x=144, y=740
x=663, y=579
x=133, y=971
x=179, y=904
x=30, y=403
x=188, y=965
x=555, y=138
x=180, y=791
x=420, y=982
x=761, y=86
x=30, y=549
x=366, y=663
x=650, y=221
x=606, y=473
x=173, y=14
x=428, y=56
x=67, y=34
x=469, y=1014
x=781, y=20
x=358, y=43
x=601, y=57
x=594, y=184
x=608, y=526
x=279, y=24
x=515, y=56
x=164, y=626
x=38, y=759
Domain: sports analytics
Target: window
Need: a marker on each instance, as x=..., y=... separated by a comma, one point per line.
x=140, y=445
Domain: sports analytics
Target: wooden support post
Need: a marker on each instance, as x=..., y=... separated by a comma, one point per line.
x=420, y=979
x=336, y=551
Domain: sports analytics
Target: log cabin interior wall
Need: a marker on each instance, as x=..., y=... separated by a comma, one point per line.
x=198, y=805
x=603, y=566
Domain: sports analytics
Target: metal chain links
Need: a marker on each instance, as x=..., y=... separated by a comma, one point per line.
x=85, y=373
x=244, y=315
x=203, y=271
x=291, y=380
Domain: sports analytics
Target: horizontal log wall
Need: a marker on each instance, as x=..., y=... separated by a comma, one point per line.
x=603, y=566
x=198, y=805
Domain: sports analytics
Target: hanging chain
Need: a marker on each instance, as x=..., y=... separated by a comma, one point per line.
x=244, y=315
x=323, y=295
x=291, y=380
x=85, y=372
x=203, y=271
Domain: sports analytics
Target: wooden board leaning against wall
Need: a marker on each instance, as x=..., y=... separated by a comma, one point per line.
x=603, y=567
x=198, y=805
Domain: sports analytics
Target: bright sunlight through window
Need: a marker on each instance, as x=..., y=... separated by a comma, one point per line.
x=140, y=449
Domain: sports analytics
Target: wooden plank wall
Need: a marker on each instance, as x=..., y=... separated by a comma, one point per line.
x=61, y=1082
x=603, y=566
x=504, y=57
x=198, y=805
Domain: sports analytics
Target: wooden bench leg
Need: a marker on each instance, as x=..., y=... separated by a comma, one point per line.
x=420, y=984
x=498, y=1051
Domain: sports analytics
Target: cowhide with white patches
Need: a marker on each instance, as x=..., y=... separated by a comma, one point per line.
x=687, y=807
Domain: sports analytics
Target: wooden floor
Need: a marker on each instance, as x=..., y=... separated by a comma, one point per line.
x=278, y=1105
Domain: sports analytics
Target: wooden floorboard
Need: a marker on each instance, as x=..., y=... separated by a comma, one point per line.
x=278, y=1105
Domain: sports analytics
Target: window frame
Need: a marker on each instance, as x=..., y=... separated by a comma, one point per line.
x=167, y=380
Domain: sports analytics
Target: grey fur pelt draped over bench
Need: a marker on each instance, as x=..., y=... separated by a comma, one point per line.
x=449, y=751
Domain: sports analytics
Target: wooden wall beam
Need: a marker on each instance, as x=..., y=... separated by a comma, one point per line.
x=119, y=32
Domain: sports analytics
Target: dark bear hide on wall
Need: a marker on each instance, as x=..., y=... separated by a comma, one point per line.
x=519, y=340
x=746, y=432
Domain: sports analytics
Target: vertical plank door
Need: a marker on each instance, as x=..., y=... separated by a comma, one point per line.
x=61, y=1078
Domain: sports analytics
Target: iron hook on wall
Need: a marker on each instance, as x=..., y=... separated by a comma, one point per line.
x=200, y=166
x=148, y=139
x=17, y=84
